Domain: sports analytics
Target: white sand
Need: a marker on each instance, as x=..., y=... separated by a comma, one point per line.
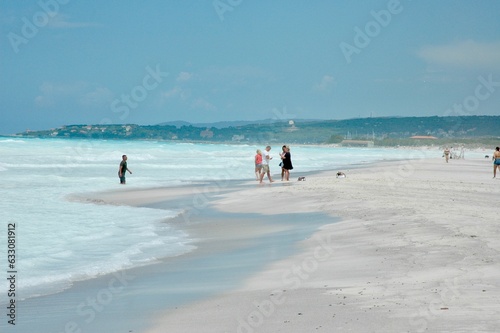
x=418, y=250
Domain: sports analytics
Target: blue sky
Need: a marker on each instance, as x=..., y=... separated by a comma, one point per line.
x=147, y=62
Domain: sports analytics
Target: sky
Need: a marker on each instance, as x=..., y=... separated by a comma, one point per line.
x=146, y=62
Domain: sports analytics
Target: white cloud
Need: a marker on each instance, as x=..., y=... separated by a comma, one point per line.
x=184, y=77
x=84, y=93
x=171, y=93
x=325, y=85
x=176, y=92
x=185, y=94
x=98, y=97
x=51, y=93
x=43, y=101
x=229, y=77
x=62, y=21
x=467, y=54
x=201, y=103
x=179, y=90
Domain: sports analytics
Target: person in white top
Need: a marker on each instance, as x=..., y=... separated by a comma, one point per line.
x=265, y=164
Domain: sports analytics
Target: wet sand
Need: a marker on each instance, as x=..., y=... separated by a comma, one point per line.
x=416, y=251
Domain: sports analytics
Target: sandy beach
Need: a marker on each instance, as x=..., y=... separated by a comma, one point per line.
x=401, y=246
x=416, y=250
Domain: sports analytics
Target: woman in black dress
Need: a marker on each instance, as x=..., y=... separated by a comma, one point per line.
x=287, y=163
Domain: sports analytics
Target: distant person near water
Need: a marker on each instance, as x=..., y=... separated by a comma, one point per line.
x=258, y=164
x=287, y=163
x=122, y=170
x=446, y=154
x=265, y=165
x=496, y=161
x=282, y=155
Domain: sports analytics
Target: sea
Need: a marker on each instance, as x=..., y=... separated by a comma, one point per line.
x=59, y=240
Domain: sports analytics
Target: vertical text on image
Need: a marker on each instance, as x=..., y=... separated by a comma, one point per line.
x=11, y=273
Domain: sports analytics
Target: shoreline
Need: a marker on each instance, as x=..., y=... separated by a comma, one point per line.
x=239, y=201
x=125, y=300
x=415, y=250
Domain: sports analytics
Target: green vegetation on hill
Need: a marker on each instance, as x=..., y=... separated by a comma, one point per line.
x=382, y=131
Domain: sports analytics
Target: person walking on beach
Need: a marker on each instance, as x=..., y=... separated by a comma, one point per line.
x=287, y=163
x=446, y=154
x=282, y=156
x=258, y=164
x=265, y=165
x=122, y=170
x=496, y=161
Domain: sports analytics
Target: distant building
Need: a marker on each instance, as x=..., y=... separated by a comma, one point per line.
x=238, y=137
x=207, y=134
x=292, y=126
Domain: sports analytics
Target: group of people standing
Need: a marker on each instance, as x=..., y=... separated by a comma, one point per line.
x=263, y=159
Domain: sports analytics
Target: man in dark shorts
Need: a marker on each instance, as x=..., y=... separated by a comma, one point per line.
x=123, y=169
x=496, y=161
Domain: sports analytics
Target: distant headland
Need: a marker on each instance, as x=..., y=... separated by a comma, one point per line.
x=381, y=131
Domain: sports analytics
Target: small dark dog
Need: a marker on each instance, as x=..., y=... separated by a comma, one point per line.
x=340, y=174
x=301, y=179
x=487, y=156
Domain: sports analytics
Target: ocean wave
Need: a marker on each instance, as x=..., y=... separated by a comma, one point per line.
x=76, y=237
x=12, y=141
x=52, y=279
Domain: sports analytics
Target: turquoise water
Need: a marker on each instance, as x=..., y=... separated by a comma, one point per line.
x=60, y=241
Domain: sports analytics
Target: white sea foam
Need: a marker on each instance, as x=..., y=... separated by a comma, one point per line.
x=61, y=241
